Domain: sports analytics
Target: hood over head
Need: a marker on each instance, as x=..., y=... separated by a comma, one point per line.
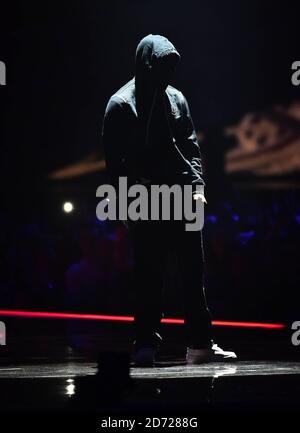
x=155, y=62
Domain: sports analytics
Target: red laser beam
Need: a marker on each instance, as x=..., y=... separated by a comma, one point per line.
x=50, y=315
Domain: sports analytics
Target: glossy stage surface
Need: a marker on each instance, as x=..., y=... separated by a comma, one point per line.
x=78, y=387
x=66, y=376
x=163, y=370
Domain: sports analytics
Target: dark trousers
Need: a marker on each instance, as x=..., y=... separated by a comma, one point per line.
x=153, y=241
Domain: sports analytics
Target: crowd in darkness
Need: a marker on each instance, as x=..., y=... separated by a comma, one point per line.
x=251, y=265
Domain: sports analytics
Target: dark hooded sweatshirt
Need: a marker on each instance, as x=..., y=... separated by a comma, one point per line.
x=148, y=132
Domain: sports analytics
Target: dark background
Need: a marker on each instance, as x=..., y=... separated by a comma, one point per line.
x=65, y=59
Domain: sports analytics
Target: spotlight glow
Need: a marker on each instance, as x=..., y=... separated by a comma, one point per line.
x=70, y=387
x=68, y=207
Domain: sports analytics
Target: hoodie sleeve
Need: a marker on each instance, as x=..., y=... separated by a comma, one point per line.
x=112, y=142
x=191, y=148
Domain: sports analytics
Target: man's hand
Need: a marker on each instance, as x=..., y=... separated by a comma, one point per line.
x=199, y=196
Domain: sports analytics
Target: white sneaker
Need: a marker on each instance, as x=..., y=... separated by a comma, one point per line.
x=213, y=354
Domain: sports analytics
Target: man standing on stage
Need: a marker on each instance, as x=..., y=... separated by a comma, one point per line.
x=149, y=137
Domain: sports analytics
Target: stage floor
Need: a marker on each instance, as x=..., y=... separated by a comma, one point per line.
x=47, y=375
x=74, y=388
x=162, y=370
